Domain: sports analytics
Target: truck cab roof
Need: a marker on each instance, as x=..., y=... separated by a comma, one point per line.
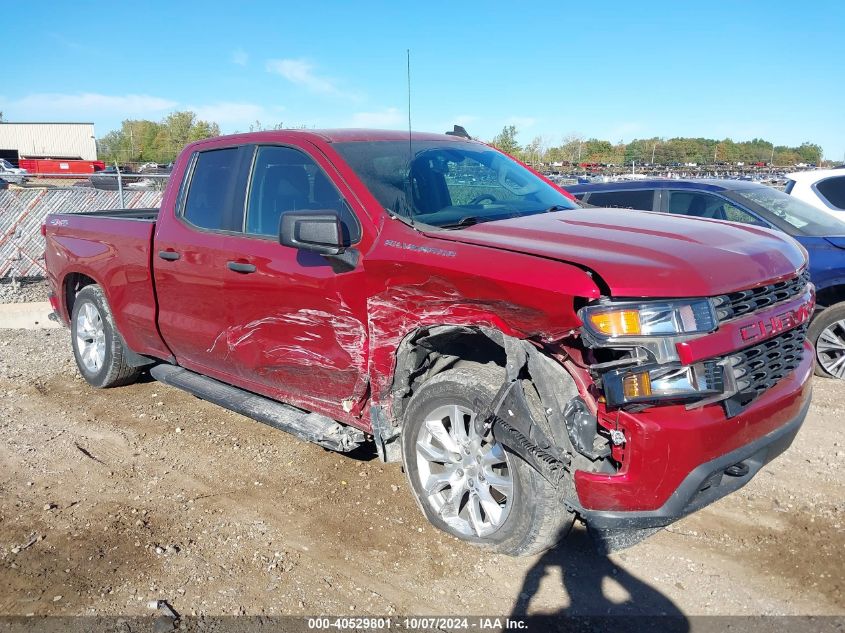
x=341, y=135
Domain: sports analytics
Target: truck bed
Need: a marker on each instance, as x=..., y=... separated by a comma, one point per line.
x=114, y=249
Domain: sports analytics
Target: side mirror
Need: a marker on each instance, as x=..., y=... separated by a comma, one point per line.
x=317, y=231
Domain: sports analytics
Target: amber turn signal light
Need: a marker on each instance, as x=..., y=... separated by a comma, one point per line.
x=617, y=322
x=636, y=385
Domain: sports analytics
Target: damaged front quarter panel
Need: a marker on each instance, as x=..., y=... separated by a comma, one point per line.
x=428, y=318
x=413, y=288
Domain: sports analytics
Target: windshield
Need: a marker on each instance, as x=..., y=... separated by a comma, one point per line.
x=449, y=184
x=798, y=214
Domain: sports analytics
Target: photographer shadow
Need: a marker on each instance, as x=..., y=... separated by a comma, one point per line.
x=583, y=571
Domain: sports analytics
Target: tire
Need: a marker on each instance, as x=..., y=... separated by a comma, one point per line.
x=827, y=334
x=97, y=347
x=532, y=516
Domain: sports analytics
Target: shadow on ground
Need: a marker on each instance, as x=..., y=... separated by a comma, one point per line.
x=586, y=577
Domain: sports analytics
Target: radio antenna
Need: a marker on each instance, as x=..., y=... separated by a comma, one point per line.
x=408, y=54
x=409, y=202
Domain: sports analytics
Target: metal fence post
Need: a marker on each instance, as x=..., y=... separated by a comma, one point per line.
x=120, y=185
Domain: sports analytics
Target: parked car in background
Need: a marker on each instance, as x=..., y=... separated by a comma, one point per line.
x=822, y=234
x=4, y=184
x=822, y=188
x=12, y=174
x=107, y=178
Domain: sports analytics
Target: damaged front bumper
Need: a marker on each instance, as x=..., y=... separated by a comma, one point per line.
x=664, y=477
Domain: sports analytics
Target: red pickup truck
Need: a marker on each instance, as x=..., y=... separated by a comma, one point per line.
x=528, y=361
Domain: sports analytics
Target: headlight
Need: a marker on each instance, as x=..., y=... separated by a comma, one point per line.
x=664, y=318
x=652, y=330
x=663, y=382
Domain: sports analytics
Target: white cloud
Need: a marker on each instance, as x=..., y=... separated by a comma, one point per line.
x=521, y=121
x=72, y=44
x=389, y=118
x=301, y=72
x=108, y=110
x=234, y=114
x=85, y=106
x=240, y=57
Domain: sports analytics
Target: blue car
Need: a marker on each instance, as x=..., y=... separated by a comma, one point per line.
x=740, y=201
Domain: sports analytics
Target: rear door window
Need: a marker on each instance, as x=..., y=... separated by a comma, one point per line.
x=634, y=199
x=833, y=190
x=215, y=198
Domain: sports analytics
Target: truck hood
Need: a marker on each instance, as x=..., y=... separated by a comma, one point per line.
x=643, y=254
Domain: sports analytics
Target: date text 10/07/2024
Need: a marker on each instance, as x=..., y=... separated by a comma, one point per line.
x=417, y=623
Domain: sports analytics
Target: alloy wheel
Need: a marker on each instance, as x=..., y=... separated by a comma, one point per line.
x=830, y=349
x=467, y=478
x=90, y=338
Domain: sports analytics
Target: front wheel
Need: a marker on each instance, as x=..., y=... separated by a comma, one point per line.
x=827, y=334
x=469, y=485
x=97, y=347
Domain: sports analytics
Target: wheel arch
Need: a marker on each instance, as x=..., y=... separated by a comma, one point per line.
x=72, y=283
x=830, y=295
x=431, y=350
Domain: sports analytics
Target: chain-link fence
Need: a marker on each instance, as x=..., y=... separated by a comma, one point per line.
x=22, y=211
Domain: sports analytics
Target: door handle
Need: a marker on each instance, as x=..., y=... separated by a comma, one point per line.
x=170, y=256
x=241, y=267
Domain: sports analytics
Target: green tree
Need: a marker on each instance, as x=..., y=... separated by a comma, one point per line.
x=533, y=153
x=506, y=141
x=572, y=146
x=597, y=151
x=810, y=152
x=149, y=141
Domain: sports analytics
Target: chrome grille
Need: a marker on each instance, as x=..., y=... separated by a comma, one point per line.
x=736, y=304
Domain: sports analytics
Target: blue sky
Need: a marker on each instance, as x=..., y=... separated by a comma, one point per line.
x=613, y=70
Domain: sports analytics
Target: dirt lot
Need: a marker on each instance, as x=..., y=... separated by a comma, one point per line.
x=15, y=291
x=110, y=499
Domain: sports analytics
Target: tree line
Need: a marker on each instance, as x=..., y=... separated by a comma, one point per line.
x=144, y=141
x=575, y=148
x=141, y=140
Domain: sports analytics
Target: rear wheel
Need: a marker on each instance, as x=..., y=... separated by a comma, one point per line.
x=97, y=347
x=467, y=484
x=827, y=334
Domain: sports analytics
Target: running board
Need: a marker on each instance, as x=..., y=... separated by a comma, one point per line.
x=311, y=427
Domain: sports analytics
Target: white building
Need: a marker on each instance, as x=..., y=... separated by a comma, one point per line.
x=47, y=140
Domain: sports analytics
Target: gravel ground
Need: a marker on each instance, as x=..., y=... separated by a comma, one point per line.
x=23, y=291
x=109, y=499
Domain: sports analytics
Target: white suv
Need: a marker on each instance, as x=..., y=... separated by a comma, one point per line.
x=822, y=188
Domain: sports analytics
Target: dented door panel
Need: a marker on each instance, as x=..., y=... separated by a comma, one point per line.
x=295, y=328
